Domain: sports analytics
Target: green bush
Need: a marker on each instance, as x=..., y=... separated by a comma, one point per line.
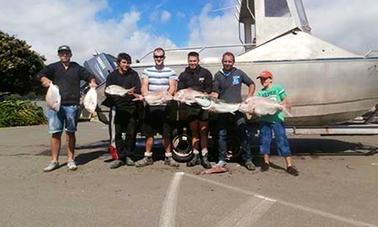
x=20, y=113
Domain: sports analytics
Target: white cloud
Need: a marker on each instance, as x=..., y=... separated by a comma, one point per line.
x=349, y=24
x=46, y=24
x=165, y=16
x=207, y=29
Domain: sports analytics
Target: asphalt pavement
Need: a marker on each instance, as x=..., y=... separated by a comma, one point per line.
x=337, y=186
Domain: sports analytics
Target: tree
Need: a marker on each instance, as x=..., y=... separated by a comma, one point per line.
x=19, y=66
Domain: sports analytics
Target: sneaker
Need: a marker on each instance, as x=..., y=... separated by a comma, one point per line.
x=292, y=170
x=264, y=167
x=71, y=165
x=51, y=166
x=205, y=162
x=195, y=161
x=129, y=162
x=221, y=163
x=116, y=164
x=144, y=162
x=249, y=165
x=170, y=162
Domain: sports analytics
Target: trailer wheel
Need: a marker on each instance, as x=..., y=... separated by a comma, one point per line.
x=182, y=148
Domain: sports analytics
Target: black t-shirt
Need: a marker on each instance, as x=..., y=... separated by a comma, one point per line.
x=199, y=79
x=68, y=80
x=128, y=80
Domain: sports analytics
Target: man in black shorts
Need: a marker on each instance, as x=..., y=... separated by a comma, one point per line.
x=156, y=119
x=199, y=79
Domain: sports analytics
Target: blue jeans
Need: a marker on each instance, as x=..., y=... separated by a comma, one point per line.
x=67, y=117
x=278, y=128
x=237, y=120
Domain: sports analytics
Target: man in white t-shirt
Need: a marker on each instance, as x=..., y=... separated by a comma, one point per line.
x=156, y=119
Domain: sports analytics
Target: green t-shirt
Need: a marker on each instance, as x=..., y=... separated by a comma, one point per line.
x=276, y=93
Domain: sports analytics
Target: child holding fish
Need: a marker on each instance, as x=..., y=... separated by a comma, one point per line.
x=275, y=123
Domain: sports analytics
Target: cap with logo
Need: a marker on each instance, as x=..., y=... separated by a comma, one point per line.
x=265, y=75
x=64, y=48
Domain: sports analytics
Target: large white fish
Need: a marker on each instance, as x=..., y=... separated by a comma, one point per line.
x=261, y=106
x=187, y=96
x=217, y=105
x=117, y=90
x=90, y=100
x=53, y=97
x=155, y=98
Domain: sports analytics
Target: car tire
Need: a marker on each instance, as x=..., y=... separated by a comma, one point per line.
x=182, y=148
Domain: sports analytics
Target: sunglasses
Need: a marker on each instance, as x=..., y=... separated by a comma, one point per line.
x=158, y=56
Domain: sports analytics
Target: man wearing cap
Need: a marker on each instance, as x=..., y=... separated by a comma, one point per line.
x=67, y=76
x=274, y=123
x=126, y=110
x=227, y=86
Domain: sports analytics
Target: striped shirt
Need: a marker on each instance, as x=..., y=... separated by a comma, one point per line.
x=158, y=79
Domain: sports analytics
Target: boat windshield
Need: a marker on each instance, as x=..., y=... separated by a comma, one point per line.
x=276, y=8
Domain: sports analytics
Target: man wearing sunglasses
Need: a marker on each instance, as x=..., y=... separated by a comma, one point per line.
x=156, y=119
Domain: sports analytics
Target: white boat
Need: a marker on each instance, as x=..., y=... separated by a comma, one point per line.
x=325, y=83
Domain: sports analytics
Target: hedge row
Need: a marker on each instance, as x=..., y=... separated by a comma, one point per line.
x=20, y=113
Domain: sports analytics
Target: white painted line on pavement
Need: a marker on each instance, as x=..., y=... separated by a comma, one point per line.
x=300, y=207
x=230, y=187
x=168, y=212
x=247, y=214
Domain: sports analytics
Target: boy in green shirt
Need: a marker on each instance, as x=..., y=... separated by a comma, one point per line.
x=274, y=123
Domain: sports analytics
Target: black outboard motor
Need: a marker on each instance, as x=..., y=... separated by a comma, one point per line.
x=100, y=66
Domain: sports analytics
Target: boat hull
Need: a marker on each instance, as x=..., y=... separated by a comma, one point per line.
x=321, y=91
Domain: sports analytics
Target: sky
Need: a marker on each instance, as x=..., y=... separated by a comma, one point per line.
x=138, y=26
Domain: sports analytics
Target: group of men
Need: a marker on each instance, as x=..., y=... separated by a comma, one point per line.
x=226, y=85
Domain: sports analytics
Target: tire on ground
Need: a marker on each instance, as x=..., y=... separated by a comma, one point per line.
x=182, y=148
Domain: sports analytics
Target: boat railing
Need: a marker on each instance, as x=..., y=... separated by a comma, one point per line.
x=372, y=53
x=198, y=48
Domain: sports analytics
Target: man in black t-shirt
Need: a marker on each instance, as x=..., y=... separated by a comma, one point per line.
x=199, y=79
x=126, y=110
x=66, y=75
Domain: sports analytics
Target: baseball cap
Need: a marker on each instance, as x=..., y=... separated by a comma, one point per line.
x=64, y=48
x=265, y=75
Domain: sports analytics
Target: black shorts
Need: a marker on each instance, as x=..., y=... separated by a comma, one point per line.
x=156, y=121
x=192, y=113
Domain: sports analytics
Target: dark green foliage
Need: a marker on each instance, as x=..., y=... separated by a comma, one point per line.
x=18, y=66
x=20, y=113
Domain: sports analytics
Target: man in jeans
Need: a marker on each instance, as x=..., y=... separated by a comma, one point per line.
x=66, y=75
x=126, y=110
x=227, y=86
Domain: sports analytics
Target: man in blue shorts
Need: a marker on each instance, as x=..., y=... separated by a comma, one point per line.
x=67, y=76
